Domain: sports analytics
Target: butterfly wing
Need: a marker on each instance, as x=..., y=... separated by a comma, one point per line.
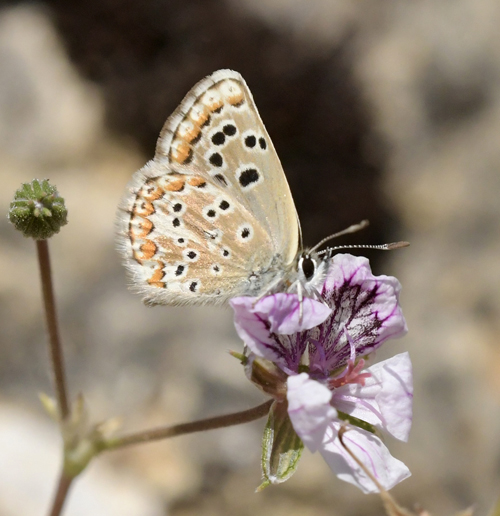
x=211, y=216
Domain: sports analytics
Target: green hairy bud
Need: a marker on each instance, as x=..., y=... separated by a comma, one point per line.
x=37, y=210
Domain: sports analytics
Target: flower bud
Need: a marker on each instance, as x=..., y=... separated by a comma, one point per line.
x=281, y=447
x=37, y=210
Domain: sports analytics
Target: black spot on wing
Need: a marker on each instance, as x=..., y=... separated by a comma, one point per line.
x=248, y=177
x=229, y=129
x=219, y=138
x=250, y=141
x=221, y=179
x=216, y=160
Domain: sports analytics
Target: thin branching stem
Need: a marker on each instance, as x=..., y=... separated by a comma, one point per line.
x=212, y=423
x=61, y=494
x=56, y=355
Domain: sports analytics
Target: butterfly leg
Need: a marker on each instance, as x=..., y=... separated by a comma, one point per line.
x=318, y=296
x=301, y=299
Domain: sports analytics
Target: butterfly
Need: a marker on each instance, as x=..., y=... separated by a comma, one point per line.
x=211, y=217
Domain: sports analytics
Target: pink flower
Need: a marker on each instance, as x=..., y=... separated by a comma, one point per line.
x=321, y=357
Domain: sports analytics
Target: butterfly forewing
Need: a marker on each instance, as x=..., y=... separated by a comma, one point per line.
x=217, y=128
x=212, y=215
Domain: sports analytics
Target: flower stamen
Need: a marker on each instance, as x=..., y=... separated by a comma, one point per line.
x=351, y=374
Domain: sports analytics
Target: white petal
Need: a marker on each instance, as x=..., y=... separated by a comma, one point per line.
x=370, y=450
x=309, y=409
x=385, y=400
x=396, y=398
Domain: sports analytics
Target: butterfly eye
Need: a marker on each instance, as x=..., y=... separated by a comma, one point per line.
x=308, y=266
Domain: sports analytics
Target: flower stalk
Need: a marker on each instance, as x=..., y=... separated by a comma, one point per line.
x=84, y=441
x=156, y=434
x=55, y=348
x=61, y=494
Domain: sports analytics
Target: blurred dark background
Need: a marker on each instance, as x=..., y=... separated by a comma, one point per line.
x=382, y=110
x=146, y=57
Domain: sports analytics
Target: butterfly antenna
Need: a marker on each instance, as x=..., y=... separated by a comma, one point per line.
x=351, y=229
x=383, y=247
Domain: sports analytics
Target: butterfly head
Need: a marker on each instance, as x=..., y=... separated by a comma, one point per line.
x=312, y=270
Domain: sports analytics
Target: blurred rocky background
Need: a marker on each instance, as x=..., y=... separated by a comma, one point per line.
x=379, y=109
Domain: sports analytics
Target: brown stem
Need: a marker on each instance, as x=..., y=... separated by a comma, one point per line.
x=61, y=493
x=51, y=318
x=212, y=423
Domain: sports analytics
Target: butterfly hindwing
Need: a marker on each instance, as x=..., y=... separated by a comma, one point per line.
x=190, y=241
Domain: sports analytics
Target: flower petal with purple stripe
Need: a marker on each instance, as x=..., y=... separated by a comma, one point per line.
x=264, y=325
x=365, y=314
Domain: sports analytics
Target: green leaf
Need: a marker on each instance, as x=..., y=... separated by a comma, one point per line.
x=281, y=447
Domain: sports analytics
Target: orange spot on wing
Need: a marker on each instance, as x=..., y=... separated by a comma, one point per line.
x=196, y=181
x=152, y=193
x=181, y=151
x=155, y=280
x=146, y=227
x=214, y=103
x=190, y=134
x=235, y=96
x=199, y=115
x=148, y=249
x=147, y=209
x=144, y=209
x=175, y=185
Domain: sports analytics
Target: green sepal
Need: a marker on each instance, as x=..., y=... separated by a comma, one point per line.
x=357, y=422
x=281, y=447
x=50, y=406
x=239, y=356
x=38, y=211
